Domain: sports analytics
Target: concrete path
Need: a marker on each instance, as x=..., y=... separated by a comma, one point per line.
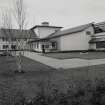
x=64, y=64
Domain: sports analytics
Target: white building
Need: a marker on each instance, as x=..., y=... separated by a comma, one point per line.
x=53, y=38
x=13, y=39
x=42, y=31
x=98, y=39
x=81, y=38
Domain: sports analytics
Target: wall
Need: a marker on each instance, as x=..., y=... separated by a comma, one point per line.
x=76, y=41
x=3, y=43
x=92, y=46
x=44, y=31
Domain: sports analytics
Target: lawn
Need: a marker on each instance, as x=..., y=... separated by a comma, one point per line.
x=70, y=55
x=37, y=74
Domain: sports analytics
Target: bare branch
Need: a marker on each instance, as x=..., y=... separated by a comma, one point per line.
x=20, y=13
x=6, y=20
x=20, y=17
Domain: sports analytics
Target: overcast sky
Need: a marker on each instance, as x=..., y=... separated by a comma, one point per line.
x=66, y=13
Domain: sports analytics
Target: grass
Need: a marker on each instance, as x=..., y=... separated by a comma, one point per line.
x=70, y=55
x=35, y=73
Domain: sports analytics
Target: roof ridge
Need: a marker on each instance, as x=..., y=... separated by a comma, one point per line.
x=17, y=33
x=70, y=30
x=45, y=26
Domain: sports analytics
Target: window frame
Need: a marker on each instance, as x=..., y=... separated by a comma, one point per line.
x=54, y=46
x=5, y=46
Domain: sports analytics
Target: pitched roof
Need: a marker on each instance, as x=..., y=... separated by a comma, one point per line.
x=65, y=32
x=45, y=26
x=101, y=25
x=15, y=33
x=70, y=30
x=94, y=40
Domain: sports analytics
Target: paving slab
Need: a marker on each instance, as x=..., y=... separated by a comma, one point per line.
x=63, y=63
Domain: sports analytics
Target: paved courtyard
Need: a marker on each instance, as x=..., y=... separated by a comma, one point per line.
x=63, y=63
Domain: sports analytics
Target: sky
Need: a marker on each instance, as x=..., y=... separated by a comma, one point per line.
x=65, y=13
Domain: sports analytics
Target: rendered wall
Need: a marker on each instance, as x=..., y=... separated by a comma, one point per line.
x=44, y=31
x=76, y=41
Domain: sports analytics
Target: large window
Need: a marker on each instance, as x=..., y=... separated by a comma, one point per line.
x=13, y=39
x=100, y=45
x=5, y=46
x=13, y=47
x=54, y=45
x=98, y=30
x=46, y=46
x=5, y=39
x=37, y=45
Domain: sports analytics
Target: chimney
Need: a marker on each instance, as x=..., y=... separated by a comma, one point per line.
x=45, y=23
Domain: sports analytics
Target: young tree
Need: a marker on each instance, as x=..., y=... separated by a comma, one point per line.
x=19, y=14
x=20, y=17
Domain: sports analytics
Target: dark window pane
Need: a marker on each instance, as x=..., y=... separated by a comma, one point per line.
x=5, y=39
x=100, y=45
x=54, y=44
x=13, y=47
x=46, y=46
x=88, y=33
x=14, y=39
x=5, y=46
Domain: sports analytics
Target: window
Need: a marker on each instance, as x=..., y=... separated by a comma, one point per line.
x=37, y=45
x=34, y=45
x=5, y=39
x=30, y=45
x=5, y=46
x=98, y=30
x=88, y=33
x=14, y=39
x=54, y=45
x=100, y=45
x=46, y=46
x=13, y=47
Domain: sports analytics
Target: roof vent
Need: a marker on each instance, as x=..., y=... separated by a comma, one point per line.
x=45, y=23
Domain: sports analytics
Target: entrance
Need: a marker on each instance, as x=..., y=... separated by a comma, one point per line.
x=43, y=49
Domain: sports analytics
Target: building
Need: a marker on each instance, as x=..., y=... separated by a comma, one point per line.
x=49, y=38
x=98, y=39
x=81, y=38
x=13, y=39
x=42, y=31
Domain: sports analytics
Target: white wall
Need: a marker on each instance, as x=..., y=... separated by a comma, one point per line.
x=76, y=41
x=92, y=46
x=44, y=31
